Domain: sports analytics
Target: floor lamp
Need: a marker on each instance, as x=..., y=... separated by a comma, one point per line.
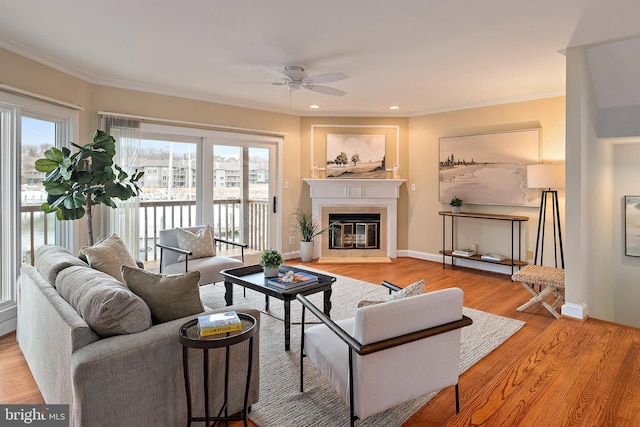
x=547, y=176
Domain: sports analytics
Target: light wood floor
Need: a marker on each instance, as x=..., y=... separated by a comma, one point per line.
x=552, y=372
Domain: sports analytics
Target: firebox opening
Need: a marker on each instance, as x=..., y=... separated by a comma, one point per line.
x=354, y=231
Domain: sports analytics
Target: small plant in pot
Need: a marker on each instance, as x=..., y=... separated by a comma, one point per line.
x=455, y=203
x=309, y=228
x=270, y=260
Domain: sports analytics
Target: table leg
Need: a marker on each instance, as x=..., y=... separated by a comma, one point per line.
x=246, y=389
x=266, y=302
x=205, y=359
x=287, y=325
x=327, y=302
x=187, y=385
x=228, y=292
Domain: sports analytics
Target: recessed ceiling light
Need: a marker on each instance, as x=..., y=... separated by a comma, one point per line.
x=394, y=107
x=314, y=106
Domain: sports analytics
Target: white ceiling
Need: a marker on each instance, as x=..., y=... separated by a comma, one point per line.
x=423, y=55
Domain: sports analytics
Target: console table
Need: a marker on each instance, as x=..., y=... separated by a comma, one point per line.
x=514, y=219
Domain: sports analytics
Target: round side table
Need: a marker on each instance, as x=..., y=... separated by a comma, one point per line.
x=190, y=338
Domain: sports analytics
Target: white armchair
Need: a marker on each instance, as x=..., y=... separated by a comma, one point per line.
x=388, y=353
x=209, y=267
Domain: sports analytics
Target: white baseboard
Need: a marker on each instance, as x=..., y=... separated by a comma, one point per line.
x=291, y=255
x=577, y=311
x=8, y=326
x=8, y=319
x=461, y=262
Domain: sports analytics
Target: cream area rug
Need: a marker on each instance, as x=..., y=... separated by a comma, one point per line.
x=281, y=403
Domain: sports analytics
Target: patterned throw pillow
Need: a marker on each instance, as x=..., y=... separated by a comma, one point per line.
x=413, y=289
x=200, y=243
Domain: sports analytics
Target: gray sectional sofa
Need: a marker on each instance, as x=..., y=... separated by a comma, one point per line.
x=131, y=374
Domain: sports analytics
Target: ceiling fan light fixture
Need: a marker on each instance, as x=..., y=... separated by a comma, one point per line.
x=295, y=77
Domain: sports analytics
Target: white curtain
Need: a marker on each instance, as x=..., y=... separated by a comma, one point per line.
x=125, y=220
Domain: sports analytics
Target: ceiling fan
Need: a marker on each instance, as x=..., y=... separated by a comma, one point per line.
x=295, y=77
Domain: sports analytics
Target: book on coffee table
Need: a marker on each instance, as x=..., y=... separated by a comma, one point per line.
x=289, y=280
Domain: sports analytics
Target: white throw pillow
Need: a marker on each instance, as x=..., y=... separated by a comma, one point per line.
x=413, y=289
x=200, y=244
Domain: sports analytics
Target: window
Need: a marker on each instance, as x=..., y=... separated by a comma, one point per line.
x=27, y=127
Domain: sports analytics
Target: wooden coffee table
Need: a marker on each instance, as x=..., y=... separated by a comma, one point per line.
x=252, y=277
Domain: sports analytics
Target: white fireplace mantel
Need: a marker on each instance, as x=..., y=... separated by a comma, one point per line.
x=382, y=193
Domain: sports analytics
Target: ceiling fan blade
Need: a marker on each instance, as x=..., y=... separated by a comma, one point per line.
x=282, y=82
x=325, y=89
x=325, y=78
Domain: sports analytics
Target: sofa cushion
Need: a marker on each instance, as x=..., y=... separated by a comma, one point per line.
x=413, y=289
x=107, y=305
x=169, y=296
x=109, y=255
x=51, y=260
x=199, y=243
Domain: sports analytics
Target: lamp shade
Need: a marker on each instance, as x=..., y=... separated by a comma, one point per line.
x=545, y=175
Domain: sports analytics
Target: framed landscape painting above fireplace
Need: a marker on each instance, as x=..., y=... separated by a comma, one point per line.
x=356, y=155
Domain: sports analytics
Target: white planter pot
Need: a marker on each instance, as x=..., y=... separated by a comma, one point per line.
x=306, y=251
x=270, y=271
x=455, y=209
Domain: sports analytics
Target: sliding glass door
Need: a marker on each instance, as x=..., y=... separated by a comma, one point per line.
x=243, y=192
x=194, y=176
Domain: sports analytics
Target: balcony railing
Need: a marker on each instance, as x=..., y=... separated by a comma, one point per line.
x=39, y=229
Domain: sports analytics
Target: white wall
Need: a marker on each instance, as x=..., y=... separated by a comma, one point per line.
x=601, y=281
x=627, y=284
x=425, y=225
x=580, y=122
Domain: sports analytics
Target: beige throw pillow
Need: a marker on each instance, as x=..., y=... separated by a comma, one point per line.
x=169, y=296
x=200, y=244
x=109, y=255
x=107, y=306
x=413, y=289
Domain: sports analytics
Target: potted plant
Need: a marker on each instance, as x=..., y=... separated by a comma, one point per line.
x=270, y=260
x=76, y=182
x=455, y=203
x=308, y=228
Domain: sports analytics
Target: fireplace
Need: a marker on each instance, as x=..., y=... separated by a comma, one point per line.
x=367, y=206
x=361, y=231
x=354, y=231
